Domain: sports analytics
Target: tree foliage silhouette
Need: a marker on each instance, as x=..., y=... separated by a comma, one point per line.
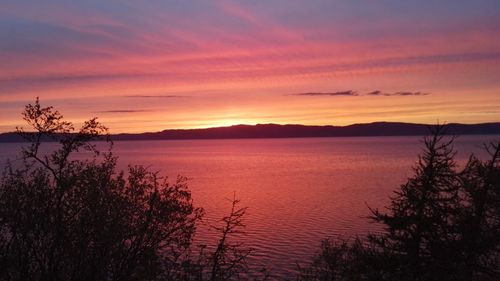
x=443, y=224
x=479, y=219
x=420, y=219
x=67, y=214
x=228, y=258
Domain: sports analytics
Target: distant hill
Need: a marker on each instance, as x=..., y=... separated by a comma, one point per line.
x=299, y=131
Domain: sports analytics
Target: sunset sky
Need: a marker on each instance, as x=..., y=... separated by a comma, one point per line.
x=153, y=65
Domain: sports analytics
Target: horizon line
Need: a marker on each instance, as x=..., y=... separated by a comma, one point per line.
x=287, y=124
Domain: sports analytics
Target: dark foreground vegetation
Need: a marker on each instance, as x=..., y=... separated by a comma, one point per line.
x=63, y=218
x=443, y=224
x=67, y=219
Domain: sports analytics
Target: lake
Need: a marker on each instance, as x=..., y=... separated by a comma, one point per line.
x=298, y=191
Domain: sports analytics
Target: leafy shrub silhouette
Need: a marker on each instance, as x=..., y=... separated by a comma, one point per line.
x=443, y=224
x=63, y=218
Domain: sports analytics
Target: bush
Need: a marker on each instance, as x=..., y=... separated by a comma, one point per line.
x=62, y=218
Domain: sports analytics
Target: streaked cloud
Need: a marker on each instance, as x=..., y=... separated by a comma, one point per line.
x=353, y=93
x=121, y=111
x=340, y=93
x=155, y=96
x=229, y=68
x=379, y=93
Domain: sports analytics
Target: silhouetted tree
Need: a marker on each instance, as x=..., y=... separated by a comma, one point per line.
x=420, y=219
x=479, y=220
x=65, y=215
x=227, y=261
x=67, y=219
x=443, y=224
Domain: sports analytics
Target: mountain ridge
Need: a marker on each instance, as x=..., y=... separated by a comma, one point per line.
x=270, y=130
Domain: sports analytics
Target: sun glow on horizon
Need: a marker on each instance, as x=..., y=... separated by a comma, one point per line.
x=223, y=63
x=226, y=123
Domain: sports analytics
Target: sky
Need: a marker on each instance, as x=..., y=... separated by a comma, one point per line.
x=153, y=65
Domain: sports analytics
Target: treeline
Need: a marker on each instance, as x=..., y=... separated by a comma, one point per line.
x=68, y=219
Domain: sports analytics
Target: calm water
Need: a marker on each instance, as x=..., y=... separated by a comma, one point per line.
x=298, y=191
